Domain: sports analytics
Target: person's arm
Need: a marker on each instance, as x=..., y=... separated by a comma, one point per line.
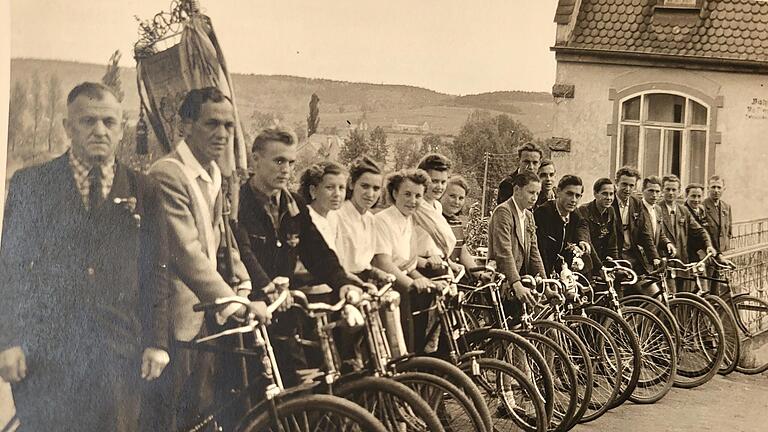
x=187, y=258
x=154, y=283
x=537, y=265
x=697, y=233
x=384, y=262
x=664, y=241
x=505, y=190
x=645, y=234
x=315, y=254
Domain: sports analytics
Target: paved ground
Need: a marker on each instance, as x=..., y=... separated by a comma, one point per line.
x=734, y=403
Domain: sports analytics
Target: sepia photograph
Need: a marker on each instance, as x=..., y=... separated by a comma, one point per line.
x=383, y=216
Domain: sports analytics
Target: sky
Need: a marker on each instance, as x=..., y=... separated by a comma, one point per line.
x=451, y=46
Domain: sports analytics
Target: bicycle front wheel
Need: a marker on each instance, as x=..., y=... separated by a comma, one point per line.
x=398, y=407
x=702, y=342
x=659, y=355
x=730, y=334
x=752, y=317
x=315, y=413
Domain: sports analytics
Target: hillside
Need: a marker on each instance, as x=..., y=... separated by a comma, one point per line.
x=340, y=102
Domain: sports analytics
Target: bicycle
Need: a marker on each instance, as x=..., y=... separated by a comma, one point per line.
x=280, y=409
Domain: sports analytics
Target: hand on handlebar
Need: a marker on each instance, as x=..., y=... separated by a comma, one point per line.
x=434, y=262
x=352, y=316
x=256, y=310
x=273, y=293
x=422, y=285
x=13, y=364
x=585, y=247
x=520, y=292
x=351, y=293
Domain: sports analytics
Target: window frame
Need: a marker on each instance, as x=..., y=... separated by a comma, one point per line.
x=665, y=127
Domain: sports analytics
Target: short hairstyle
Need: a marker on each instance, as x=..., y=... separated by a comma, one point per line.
x=313, y=176
x=277, y=133
x=524, y=178
x=716, y=178
x=628, y=171
x=459, y=181
x=417, y=176
x=546, y=163
x=670, y=178
x=693, y=186
x=652, y=180
x=530, y=146
x=193, y=102
x=434, y=162
x=570, y=180
x=362, y=165
x=600, y=183
x=93, y=90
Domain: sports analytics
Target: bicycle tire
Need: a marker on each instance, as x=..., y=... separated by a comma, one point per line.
x=629, y=347
x=438, y=392
x=730, y=333
x=658, y=308
x=607, y=368
x=310, y=410
x=532, y=419
x=659, y=355
x=454, y=375
x=752, y=317
x=397, y=406
x=566, y=400
x=578, y=354
x=702, y=336
x=495, y=343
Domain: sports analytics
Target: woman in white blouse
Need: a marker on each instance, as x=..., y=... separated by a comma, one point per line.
x=323, y=186
x=394, y=251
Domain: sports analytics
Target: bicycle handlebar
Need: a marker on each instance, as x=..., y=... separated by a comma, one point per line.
x=223, y=301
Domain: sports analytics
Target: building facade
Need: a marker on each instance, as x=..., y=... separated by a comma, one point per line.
x=668, y=86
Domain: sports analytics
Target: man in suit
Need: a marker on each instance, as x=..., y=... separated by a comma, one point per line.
x=274, y=231
x=679, y=225
x=82, y=319
x=558, y=224
x=718, y=214
x=512, y=241
x=600, y=218
x=633, y=232
x=191, y=199
x=529, y=158
x=652, y=212
x=694, y=197
x=547, y=177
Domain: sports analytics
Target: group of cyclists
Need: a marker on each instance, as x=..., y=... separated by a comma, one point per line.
x=345, y=233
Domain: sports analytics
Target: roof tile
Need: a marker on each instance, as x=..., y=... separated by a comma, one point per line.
x=724, y=29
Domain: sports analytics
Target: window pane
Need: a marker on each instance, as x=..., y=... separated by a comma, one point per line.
x=665, y=108
x=698, y=114
x=652, y=148
x=630, y=146
x=631, y=109
x=672, y=147
x=698, y=156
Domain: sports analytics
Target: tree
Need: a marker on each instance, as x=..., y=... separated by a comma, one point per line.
x=36, y=99
x=54, y=98
x=313, y=120
x=431, y=143
x=378, y=140
x=16, y=111
x=261, y=120
x=407, y=154
x=355, y=145
x=111, y=77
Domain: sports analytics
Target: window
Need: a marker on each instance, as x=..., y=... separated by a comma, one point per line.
x=663, y=133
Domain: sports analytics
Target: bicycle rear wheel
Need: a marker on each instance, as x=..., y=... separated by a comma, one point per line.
x=703, y=344
x=752, y=317
x=454, y=409
x=730, y=333
x=316, y=413
x=398, y=407
x=658, y=308
x=659, y=355
x=512, y=398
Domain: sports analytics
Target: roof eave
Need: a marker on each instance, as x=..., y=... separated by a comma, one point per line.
x=591, y=55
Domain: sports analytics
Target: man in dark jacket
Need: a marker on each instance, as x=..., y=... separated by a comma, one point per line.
x=601, y=218
x=529, y=158
x=547, y=175
x=633, y=231
x=274, y=230
x=82, y=317
x=558, y=224
x=719, y=216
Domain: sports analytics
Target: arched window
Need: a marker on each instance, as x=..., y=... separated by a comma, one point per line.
x=663, y=133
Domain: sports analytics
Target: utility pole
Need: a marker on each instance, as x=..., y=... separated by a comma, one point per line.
x=486, y=157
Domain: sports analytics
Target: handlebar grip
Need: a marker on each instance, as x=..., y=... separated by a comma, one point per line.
x=479, y=269
x=201, y=307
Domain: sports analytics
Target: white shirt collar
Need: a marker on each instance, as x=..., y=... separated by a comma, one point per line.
x=651, y=208
x=520, y=213
x=193, y=164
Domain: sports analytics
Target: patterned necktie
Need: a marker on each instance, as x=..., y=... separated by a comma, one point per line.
x=95, y=196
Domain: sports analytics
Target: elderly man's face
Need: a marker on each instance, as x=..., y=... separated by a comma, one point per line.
x=94, y=127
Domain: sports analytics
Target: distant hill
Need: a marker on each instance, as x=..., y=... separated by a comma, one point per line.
x=340, y=101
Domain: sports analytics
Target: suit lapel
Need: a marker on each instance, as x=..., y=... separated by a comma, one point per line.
x=712, y=212
x=518, y=223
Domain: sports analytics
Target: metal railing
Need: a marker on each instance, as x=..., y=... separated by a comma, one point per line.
x=749, y=233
